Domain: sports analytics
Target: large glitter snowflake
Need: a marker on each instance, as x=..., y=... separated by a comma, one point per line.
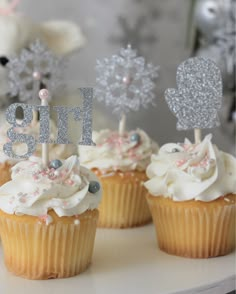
x=125, y=81
x=198, y=96
x=33, y=69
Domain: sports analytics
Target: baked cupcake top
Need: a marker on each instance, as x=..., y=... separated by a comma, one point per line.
x=65, y=187
x=113, y=152
x=191, y=171
x=55, y=151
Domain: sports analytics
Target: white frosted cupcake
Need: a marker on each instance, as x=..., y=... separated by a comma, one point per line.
x=192, y=193
x=120, y=163
x=55, y=151
x=48, y=218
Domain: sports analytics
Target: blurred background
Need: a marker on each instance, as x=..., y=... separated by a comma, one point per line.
x=165, y=32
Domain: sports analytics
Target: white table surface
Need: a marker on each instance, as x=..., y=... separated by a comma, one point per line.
x=128, y=261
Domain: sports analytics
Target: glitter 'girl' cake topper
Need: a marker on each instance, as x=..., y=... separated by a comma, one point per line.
x=83, y=113
x=198, y=96
x=125, y=82
x=34, y=68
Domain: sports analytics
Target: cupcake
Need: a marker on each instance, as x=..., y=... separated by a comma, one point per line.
x=48, y=218
x=55, y=151
x=192, y=193
x=120, y=162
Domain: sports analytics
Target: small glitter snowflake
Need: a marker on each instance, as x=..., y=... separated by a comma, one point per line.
x=125, y=81
x=198, y=96
x=33, y=69
x=137, y=34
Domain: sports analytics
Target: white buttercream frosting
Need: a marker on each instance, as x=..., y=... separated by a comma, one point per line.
x=56, y=151
x=118, y=153
x=191, y=171
x=34, y=190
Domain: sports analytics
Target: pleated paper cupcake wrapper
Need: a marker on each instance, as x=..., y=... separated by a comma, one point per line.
x=194, y=232
x=5, y=173
x=38, y=251
x=123, y=205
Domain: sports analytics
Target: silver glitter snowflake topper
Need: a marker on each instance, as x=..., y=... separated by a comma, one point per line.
x=125, y=81
x=198, y=96
x=33, y=69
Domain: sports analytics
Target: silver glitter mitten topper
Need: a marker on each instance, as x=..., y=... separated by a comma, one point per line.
x=198, y=96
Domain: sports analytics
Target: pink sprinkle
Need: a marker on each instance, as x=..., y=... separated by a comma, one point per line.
x=35, y=177
x=43, y=217
x=120, y=140
x=132, y=154
x=65, y=203
x=186, y=147
x=23, y=199
x=11, y=199
x=70, y=182
x=36, y=192
x=62, y=174
x=180, y=162
x=204, y=161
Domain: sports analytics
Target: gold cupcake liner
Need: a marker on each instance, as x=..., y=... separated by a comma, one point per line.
x=123, y=202
x=38, y=251
x=193, y=228
x=5, y=173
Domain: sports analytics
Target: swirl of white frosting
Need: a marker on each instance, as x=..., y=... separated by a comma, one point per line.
x=114, y=152
x=55, y=151
x=34, y=190
x=191, y=171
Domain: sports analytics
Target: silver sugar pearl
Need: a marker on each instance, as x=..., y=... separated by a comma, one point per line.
x=94, y=187
x=37, y=75
x=127, y=80
x=135, y=138
x=56, y=163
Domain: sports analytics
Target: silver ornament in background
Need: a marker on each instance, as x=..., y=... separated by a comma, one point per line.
x=198, y=96
x=216, y=24
x=210, y=17
x=215, y=21
x=34, y=68
x=125, y=81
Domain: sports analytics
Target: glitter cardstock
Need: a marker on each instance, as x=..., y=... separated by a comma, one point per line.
x=33, y=69
x=83, y=114
x=125, y=81
x=198, y=96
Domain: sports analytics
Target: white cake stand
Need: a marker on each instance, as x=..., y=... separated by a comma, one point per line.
x=128, y=261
